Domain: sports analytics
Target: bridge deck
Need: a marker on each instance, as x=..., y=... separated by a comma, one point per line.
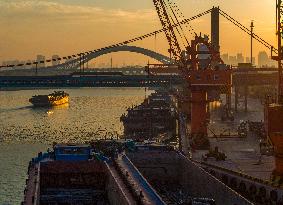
x=239, y=79
x=89, y=81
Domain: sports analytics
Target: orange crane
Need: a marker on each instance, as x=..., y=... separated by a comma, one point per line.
x=200, y=80
x=274, y=112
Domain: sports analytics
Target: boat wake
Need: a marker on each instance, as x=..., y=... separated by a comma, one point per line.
x=15, y=109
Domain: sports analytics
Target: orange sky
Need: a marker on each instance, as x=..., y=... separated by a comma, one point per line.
x=64, y=27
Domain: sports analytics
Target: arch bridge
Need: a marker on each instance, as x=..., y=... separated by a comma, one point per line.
x=75, y=63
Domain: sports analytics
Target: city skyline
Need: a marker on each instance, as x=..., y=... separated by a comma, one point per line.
x=261, y=59
x=68, y=27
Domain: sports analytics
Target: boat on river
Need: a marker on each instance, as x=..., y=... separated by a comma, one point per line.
x=53, y=99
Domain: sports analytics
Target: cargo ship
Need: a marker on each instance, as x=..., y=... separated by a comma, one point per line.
x=113, y=172
x=53, y=99
x=153, y=119
x=238, y=155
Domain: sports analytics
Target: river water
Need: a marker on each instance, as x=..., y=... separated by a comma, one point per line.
x=25, y=131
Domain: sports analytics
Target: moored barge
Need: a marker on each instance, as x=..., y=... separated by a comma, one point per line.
x=74, y=174
x=153, y=119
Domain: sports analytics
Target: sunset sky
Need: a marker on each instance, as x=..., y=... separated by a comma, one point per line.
x=64, y=27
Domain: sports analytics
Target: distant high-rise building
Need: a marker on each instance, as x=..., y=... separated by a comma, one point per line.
x=248, y=60
x=263, y=59
x=225, y=58
x=40, y=59
x=271, y=62
x=253, y=60
x=55, y=61
x=233, y=60
x=240, y=58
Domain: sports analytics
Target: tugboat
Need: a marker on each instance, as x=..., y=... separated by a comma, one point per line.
x=53, y=99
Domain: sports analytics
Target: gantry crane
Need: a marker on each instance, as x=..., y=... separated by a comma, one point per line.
x=274, y=112
x=200, y=80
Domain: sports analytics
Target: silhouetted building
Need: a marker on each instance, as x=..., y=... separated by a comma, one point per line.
x=40, y=59
x=248, y=60
x=263, y=59
x=233, y=60
x=240, y=58
x=225, y=58
x=55, y=61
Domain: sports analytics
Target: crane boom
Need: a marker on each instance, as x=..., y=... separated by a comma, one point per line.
x=168, y=28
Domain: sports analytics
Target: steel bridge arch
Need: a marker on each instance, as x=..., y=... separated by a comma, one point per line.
x=134, y=49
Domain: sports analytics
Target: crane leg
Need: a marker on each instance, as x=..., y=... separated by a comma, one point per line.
x=199, y=117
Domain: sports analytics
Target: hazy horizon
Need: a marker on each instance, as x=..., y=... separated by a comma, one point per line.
x=64, y=27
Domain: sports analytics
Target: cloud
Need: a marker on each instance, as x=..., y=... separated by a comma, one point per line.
x=30, y=9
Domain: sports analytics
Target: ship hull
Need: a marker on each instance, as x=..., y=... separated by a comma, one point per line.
x=62, y=101
x=53, y=99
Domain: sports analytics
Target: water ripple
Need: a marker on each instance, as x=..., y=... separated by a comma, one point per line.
x=24, y=130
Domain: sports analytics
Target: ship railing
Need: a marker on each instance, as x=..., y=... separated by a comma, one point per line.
x=36, y=200
x=118, y=184
x=124, y=177
x=240, y=174
x=142, y=181
x=41, y=157
x=270, y=186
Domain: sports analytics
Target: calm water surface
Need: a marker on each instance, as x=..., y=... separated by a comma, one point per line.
x=25, y=131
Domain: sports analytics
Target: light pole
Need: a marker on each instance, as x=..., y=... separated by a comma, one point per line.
x=252, y=35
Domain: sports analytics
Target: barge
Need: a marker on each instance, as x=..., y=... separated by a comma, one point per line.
x=131, y=173
x=153, y=119
x=53, y=99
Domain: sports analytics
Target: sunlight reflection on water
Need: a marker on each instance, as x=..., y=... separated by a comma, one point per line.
x=25, y=130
